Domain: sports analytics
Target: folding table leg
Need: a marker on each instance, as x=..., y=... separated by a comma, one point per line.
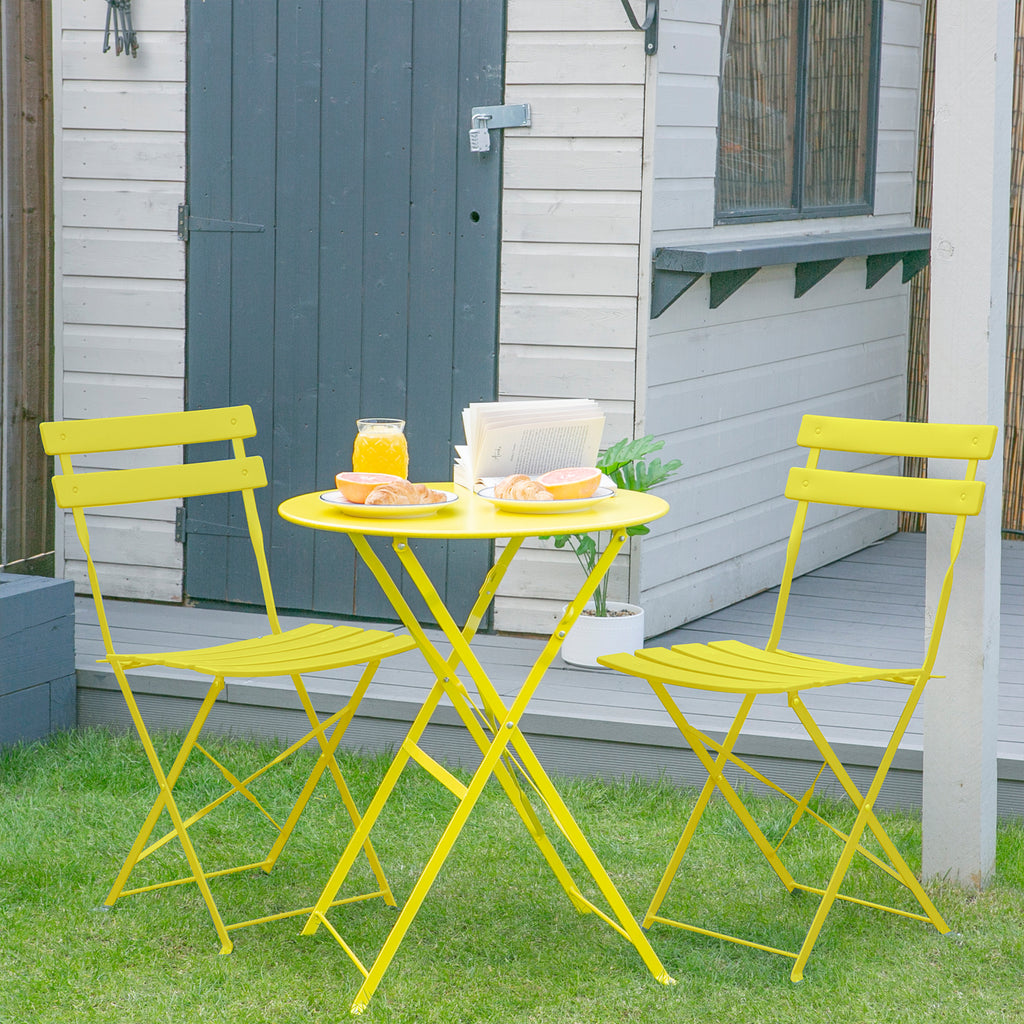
x=625, y=924
x=462, y=654
x=504, y=731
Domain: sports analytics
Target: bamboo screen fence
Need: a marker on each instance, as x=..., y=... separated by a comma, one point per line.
x=917, y=363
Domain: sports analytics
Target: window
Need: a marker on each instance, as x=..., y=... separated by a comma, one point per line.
x=798, y=111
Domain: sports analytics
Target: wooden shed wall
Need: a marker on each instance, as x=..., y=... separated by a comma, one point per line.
x=574, y=243
x=572, y=253
x=726, y=387
x=121, y=310
x=576, y=236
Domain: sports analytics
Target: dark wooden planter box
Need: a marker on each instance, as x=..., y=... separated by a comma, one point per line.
x=37, y=657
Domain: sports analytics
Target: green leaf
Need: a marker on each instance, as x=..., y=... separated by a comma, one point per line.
x=624, y=452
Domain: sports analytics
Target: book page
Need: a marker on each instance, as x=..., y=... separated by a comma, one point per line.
x=531, y=437
x=538, y=448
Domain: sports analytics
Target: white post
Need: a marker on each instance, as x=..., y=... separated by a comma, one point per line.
x=969, y=252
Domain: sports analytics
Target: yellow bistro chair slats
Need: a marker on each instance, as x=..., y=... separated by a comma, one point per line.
x=731, y=666
x=309, y=648
x=155, y=430
x=886, y=437
x=158, y=483
x=864, y=490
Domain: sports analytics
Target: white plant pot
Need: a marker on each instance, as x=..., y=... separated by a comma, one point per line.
x=593, y=636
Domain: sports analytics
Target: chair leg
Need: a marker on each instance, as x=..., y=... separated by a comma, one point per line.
x=716, y=780
x=165, y=801
x=866, y=818
x=327, y=760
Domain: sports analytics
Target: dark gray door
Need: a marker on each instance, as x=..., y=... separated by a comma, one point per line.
x=342, y=262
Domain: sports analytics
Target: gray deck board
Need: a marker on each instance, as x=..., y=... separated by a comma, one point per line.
x=591, y=721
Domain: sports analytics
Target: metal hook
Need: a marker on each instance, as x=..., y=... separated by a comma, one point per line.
x=649, y=26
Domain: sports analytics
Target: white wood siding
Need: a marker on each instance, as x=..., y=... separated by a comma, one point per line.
x=573, y=242
x=572, y=236
x=587, y=189
x=121, y=310
x=726, y=387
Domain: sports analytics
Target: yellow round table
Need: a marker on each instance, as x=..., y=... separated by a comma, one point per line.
x=494, y=726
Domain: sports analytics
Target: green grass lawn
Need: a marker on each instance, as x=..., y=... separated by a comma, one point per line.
x=496, y=939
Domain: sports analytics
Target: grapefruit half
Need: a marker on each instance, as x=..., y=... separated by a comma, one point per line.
x=356, y=486
x=576, y=482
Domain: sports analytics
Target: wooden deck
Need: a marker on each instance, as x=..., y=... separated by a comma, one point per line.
x=584, y=721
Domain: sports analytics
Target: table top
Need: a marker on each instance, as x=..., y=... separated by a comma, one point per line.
x=474, y=517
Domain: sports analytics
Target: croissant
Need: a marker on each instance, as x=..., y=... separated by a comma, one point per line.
x=401, y=492
x=428, y=496
x=520, y=487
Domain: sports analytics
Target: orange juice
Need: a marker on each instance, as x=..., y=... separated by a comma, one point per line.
x=380, y=447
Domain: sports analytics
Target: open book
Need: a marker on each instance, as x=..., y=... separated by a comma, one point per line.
x=531, y=437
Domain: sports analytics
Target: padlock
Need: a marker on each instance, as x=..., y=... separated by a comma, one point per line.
x=479, y=136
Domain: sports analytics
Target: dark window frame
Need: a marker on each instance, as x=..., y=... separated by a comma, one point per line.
x=797, y=210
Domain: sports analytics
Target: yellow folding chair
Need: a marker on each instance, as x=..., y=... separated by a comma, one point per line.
x=309, y=648
x=729, y=666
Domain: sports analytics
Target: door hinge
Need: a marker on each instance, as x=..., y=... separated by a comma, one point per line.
x=188, y=223
x=183, y=523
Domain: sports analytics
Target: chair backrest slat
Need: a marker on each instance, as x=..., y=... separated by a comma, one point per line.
x=917, y=440
x=966, y=443
x=81, y=490
x=898, y=493
x=156, y=430
x=156, y=483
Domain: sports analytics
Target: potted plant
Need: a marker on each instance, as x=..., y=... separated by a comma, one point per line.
x=606, y=626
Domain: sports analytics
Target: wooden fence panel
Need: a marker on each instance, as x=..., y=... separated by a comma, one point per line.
x=26, y=355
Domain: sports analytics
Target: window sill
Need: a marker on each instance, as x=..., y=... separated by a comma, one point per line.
x=731, y=264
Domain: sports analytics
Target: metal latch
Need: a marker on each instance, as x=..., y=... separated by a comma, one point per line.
x=483, y=119
x=187, y=223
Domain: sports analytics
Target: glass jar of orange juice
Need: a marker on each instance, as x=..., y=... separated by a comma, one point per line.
x=380, y=447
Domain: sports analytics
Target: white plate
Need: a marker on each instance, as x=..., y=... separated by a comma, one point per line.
x=352, y=508
x=545, y=508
